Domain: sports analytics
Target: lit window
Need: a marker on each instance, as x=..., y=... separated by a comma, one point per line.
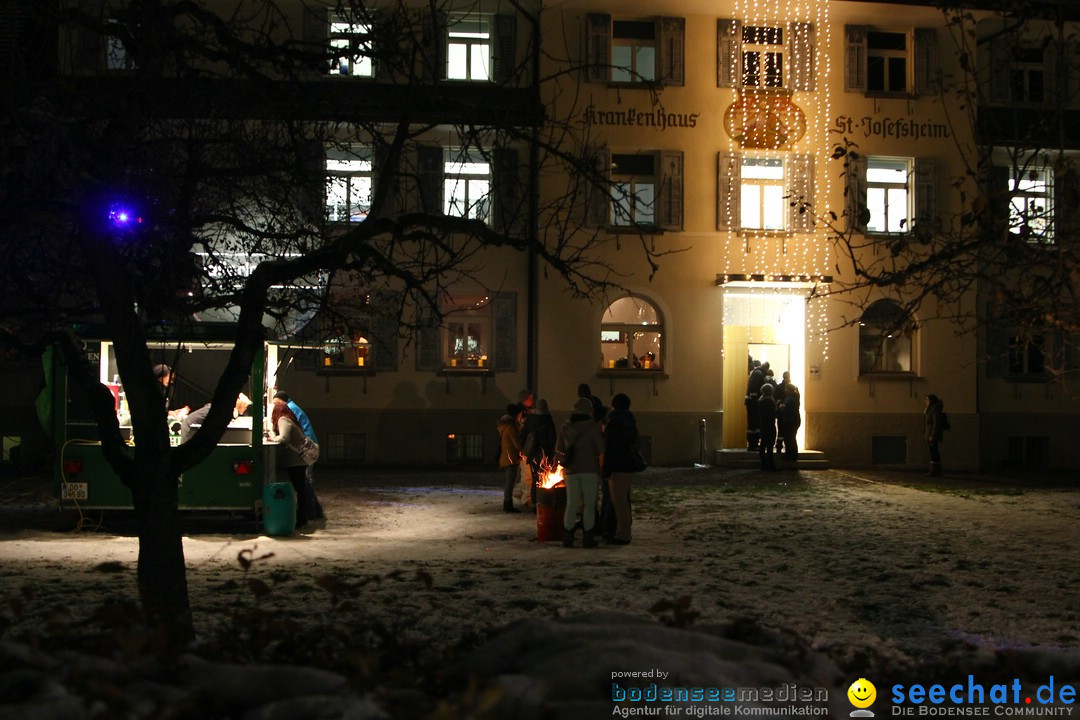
x=887, y=196
x=886, y=339
x=348, y=184
x=467, y=331
x=886, y=61
x=468, y=53
x=763, y=56
x=466, y=184
x=1031, y=204
x=347, y=352
x=116, y=54
x=352, y=48
x=631, y=332
x=633, y=51
x=633, y=189
x=761, y=193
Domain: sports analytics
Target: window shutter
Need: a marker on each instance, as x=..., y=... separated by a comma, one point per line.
x=925, y=205
x=385, y=342
x=598, y=191
x=505, y=58
x=434, y=50
x=312, y=188
x=728, y=56
x=669, y=215
x=1066, y=201
x=427, y=346
x=1051, y=76
x=509, y=208
x=504, y=331
x=316, y=29
x=1000, y=71
x=388, y=176
x=926, y=61
x=855, y=58
x=429, y=170
x=727, y=202
x=801, y=193
x=855, y=208
x=89, y=56
x=597, y=48
x=802, y=56
x=672, y=51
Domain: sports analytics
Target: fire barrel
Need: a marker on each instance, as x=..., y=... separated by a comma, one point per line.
x=279, y=509
x=550, y=509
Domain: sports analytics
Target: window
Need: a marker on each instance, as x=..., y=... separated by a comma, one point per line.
x=765, y=192
x=762, y=56
x=765, y=57
x=645, y=192
x=342, y=447
x=633, y=180
x=1031, y=204
x=886, y=339
x=1027, y=77
x=889, y=61
x=466, y=184
x=468, y=52
x=478, y=332
x=347, y=352
x=467, y=332
x=116, y=54
x=888, y=195
x=348, y=184
x=1022, y=72
x=633, y=51
x=629, y=51
x=351, y=42
x=631, y=333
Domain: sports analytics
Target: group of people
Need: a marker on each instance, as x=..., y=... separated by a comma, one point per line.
x=598, y=450
x=773, y=415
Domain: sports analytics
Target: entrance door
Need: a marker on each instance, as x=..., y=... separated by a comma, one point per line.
x=764, y=327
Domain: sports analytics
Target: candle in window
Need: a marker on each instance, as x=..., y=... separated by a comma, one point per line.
x=647, y=364
x=360, y=361
x=453, y=362
x=611, y=363
x=326, y=361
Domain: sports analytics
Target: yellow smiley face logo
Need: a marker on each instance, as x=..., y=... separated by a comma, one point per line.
x=862, y=693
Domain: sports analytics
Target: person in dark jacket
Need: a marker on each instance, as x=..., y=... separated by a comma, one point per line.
x=620, y=464
x=789, y=420
x=766, y=412
x=753, y=393
x=932, y=419
x=539, y=447
x=579, y=449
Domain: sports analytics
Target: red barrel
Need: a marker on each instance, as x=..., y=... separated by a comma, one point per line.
x=550, y=509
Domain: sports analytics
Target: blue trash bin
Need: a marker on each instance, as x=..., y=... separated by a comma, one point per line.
x=279, y=509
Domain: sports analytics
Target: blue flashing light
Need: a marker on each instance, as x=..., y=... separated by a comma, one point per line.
x=122, y=217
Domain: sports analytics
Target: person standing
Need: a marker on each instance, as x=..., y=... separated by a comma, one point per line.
x=788, y=411
x=935, y=429
x=579, y=448
x=539, y=445
x=285, y=429
x=778, y=396
x=766, y=411
x=620, y=464
x=197, y=417
x=309, y=431
x=753, y=392
x=509, y=454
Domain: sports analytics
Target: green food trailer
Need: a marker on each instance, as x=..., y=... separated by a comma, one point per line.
x=233, y=478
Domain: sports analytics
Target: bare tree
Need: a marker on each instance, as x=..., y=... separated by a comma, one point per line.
x=1002, y=257
x=189, y=186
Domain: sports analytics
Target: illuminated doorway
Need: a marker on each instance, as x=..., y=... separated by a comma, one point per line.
x=763, y=326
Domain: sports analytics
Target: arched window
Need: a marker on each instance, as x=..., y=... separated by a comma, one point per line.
x=887, y=339
x=631, y=335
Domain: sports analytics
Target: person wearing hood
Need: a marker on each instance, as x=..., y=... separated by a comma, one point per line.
x=510, y=453
x=620, y=463
x=580, y=450
x=539, y=444
x=935, y=429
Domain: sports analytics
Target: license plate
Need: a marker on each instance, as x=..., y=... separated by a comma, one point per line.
x=74, y=491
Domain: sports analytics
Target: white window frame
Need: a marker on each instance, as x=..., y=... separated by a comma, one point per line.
x=901, y=343
x=895, y=194
x=469, y=43
x=763, y=192
x=1026, y=219
x=632, y=335
x=639, y=66
x=1021, y=72
x=762, y=51
x=355, y=39
x=350, y=172
x=467, y=184
x=634, y=195
x=466, y=338
x=887, y=54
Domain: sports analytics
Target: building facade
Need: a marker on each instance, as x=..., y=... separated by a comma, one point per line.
x=738, y=140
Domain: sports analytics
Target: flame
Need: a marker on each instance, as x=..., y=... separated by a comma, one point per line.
x=550, y=478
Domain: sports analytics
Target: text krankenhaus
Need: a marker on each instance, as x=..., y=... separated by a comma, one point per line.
x=890, y=128
x=659, y=118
